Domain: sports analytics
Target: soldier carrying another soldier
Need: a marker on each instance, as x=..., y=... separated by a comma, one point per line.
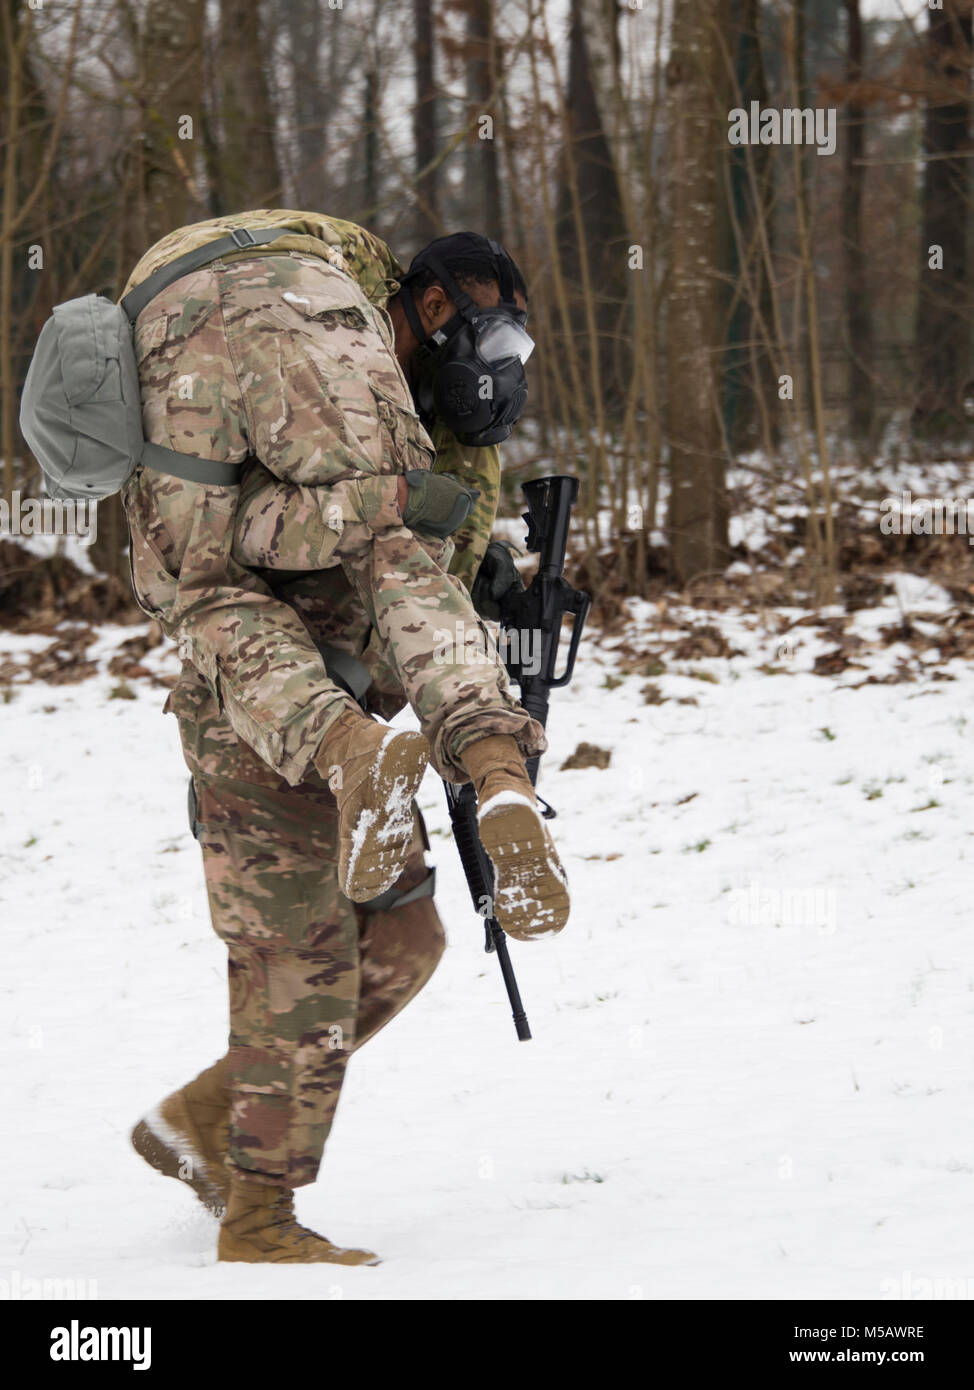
x=303, y=361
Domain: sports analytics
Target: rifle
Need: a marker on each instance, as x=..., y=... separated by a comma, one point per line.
x=531, y=623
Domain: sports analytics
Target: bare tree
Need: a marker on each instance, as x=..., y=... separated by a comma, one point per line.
x=318, y=75
x=370, y=138
x=698, y=513
x=248, y=173
x=168, y=183
x=750, y=396
x=482, y=183
x=425, y=140
x=858, y=318
x=31, y=142
x=15, y=78
x=590, y=207
x=944, y=301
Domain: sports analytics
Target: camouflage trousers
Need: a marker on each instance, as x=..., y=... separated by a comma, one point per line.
x=312, y=976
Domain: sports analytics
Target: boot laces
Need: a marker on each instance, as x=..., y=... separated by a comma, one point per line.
x=285, y=1217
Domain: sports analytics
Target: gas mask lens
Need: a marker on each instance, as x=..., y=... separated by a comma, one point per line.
x=500, y=338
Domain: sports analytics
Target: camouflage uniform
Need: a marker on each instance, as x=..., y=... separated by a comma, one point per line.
x=312, y=976
x=285, y=359
x=275, y=521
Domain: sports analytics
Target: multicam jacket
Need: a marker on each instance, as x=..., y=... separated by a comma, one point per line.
x=372, y=265
x=261, y=648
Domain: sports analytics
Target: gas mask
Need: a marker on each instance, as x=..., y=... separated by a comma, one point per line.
x=470, y=372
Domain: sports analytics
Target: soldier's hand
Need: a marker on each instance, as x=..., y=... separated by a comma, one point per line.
x=497, y=576
x=436, y=503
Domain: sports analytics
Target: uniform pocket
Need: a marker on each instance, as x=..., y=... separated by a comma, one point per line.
x=190, y=699
x=154, y=587
x=150, y=334
x=339, y=341
x=153, y=584
x=270, y=860
x=206, y=666
x=324, y=295
x=406, y=445
x=281, y=526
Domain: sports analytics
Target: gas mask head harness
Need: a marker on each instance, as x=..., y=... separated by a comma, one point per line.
x=470, y=373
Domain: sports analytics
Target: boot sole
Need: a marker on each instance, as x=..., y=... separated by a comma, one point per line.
x=530, y=891
x=375, y=848
x=333, y=1258
x=173, y=1154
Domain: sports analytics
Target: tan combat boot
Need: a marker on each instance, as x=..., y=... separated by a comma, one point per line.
x=374, y=772
x=260, y=1228
x=531, y=888
x=187, y=1136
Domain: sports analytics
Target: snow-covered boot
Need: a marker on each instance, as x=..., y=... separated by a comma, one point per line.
x=260, y=1228
x=374, y=772
x=187, y=1136
x=531, y=888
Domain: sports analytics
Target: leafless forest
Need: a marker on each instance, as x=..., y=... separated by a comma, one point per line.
x=720, y=325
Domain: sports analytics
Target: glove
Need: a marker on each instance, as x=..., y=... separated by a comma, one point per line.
x=497, y=576
x=437, y=504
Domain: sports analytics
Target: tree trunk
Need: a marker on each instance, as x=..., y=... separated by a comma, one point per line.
x=249, y=173
x=698, y=513
x=944, y=300
x=593, y=79
x=858, y=319
x=425, y=145
x=482, y=192
x=313, y=101
x=751, y=400
x=370, y=128
x=16, y=32
x=171, y=66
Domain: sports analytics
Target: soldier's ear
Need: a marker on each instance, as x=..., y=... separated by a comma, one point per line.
x=435, y=308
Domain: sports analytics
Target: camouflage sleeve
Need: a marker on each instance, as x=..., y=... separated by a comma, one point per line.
x=480, y=468
x=292, y=526
x=289, y=526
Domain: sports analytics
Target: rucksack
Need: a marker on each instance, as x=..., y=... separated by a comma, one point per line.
x=80, y=410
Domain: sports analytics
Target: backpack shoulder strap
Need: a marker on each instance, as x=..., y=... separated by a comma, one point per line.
x=194, y=470
x=238, y=240
x=188, y=466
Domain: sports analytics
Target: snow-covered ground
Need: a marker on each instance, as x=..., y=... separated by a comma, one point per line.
x=751, y=1075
